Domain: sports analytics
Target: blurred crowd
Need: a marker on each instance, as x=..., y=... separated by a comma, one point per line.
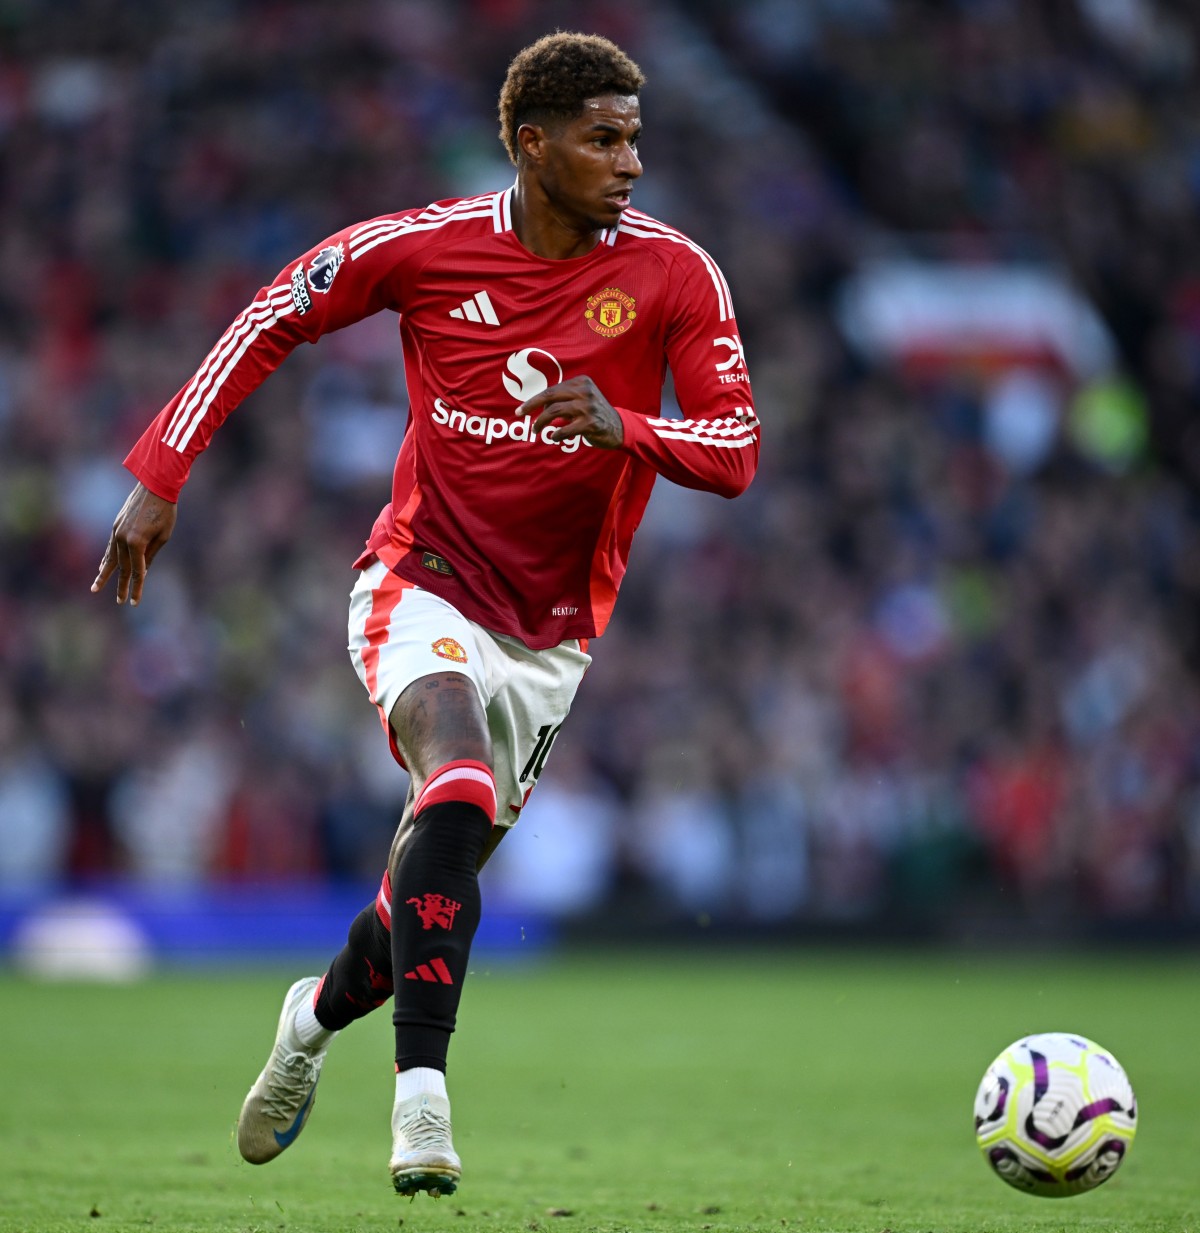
x=940, y=662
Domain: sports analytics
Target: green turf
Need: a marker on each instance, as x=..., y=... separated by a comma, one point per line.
x=658, y=1092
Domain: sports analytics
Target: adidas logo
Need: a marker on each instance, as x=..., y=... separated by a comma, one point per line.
x=435, y=972
x=477, y=308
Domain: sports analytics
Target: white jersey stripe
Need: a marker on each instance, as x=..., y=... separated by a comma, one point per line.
x=231, y=364
x=722, y=427
x=647, y=228
x=416, y=225
x=738, y=413
x=263, y=309
x=383, y=225
x=258, y=323
x=716, y=442
x=639, y=219
x=363, y=233
x=692, y=434
x=213, y=357
x=742, y=414
x=501, y=213
x=433, y=211
x=724, y=299
x=394, y=227
x=408, y=228
x=729, y=430
x=712, y=433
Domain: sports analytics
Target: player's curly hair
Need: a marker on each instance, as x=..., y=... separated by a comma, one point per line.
x=551, y=79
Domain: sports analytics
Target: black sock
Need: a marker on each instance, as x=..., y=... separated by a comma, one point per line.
x=360, y=978
x=435, y=912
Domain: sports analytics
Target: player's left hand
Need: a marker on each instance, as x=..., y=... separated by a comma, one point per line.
x=578, y=409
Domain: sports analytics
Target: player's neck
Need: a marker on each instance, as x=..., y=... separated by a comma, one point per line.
x=545, y=232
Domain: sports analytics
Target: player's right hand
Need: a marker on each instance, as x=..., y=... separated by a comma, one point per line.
x=142, y=527
x=576, y=408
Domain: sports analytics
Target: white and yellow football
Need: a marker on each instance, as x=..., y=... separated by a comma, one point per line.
x=1055, y=1114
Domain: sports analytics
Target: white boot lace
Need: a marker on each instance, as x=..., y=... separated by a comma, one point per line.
x=292, y=1079
x=426, y=1129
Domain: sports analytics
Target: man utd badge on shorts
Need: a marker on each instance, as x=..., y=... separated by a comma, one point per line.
x=448, y=648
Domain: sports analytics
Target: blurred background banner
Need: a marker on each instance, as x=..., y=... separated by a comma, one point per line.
x=935, y=674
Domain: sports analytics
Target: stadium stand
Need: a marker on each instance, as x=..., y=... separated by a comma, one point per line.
x=937, y=667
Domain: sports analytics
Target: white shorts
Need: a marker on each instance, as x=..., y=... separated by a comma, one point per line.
x=399, y=632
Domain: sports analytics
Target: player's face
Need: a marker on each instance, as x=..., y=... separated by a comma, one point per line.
x=589, y=165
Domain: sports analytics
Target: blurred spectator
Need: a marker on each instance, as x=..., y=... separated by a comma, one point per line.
x=561, y=860
x=35, y=812
x=168, y=811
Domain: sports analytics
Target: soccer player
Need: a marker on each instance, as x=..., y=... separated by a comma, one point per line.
x=537, y=325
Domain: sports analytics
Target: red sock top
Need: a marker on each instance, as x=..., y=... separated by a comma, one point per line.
x=464, y=780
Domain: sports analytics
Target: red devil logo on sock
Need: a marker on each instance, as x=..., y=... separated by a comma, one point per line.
x=435, y=910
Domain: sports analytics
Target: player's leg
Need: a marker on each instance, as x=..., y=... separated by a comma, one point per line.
x=360, y=978
x=358, y=981
x=439, y=728
x=443, y=732
x=396, y=635
x=315, y=1009
x=405, y=829
x=476, y=747
x=427, y=670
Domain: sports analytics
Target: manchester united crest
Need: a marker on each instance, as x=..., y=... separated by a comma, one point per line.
x=449, y=648
x=611, y=312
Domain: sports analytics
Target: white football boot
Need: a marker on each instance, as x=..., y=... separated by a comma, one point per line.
x=423, y=1155
x=277, y=1106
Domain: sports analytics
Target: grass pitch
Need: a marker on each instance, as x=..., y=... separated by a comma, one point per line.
x=660, y=1092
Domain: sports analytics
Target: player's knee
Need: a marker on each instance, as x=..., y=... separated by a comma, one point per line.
x=454, y=813
x=369, y=931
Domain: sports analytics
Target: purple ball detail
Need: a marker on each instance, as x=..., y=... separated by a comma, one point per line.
x=1097, y=1109
x=1041, y=1138
x=1041, y=1075
x=1001, y=1104
x=1115, y=1146
x=1000, y=1156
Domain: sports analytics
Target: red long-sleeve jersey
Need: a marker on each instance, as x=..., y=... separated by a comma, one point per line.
x=526, y=536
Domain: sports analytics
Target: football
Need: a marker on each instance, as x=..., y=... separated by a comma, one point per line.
x=1055, y=1114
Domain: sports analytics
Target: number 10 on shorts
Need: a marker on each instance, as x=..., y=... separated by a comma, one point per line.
x=541, y=751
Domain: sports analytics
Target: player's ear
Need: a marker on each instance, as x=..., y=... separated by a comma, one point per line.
x=531, y=142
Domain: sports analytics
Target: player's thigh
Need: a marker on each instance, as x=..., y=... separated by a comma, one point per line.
x=531, y=694
x=524, y=717
x=399, y=634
